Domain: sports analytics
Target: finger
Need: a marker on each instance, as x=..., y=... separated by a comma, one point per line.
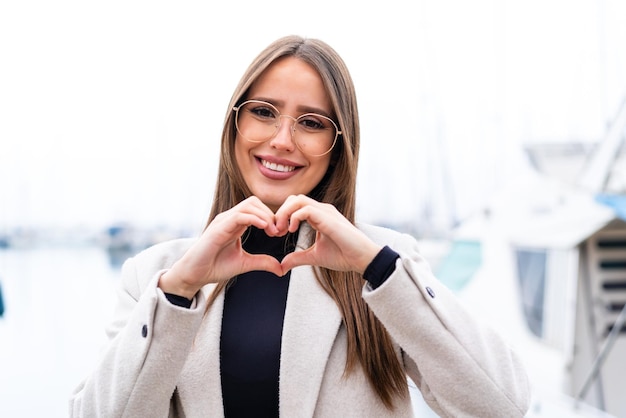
x=302, y=214
x=255, y=202
x=298, y=258
x=257, y=207
x=285, y=220
x=262, y=262
x=254, y=205
x=244, y=212
x=241, y=221
x=284, y=213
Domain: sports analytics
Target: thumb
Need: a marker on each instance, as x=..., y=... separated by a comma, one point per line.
x=263, y=262
x=297, y=258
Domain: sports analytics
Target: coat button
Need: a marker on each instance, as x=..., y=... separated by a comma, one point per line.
x=144, y=331
x=430, y=291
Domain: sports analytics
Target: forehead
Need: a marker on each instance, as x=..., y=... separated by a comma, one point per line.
x=291, y=81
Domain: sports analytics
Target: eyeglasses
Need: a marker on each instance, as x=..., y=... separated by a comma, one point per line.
x=259, y=121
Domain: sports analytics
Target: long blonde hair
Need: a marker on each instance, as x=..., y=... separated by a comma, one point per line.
x=368, y=342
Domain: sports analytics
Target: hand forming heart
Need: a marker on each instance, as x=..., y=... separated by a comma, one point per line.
x=218, y=254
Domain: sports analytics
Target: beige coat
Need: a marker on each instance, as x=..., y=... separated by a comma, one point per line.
x=164, y=360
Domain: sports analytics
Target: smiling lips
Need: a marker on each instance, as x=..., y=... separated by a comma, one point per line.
x=277, y=167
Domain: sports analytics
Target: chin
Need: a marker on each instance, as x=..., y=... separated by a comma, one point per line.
x=272, y=202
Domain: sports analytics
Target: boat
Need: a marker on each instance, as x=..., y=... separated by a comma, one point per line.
x=549, y=272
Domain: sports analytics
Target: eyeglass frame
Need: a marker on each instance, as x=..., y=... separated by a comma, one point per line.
x=292, y=128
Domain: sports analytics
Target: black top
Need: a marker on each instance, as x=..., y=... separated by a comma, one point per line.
x=252, y=323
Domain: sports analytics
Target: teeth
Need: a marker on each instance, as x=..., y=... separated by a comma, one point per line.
x=277, y=167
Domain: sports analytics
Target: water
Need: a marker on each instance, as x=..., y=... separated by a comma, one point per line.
x=57, y=303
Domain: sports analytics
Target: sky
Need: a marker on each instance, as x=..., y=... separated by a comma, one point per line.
x=112, y=111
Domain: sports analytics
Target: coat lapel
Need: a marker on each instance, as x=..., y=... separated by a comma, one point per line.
x=311, y=324
x=201, y=384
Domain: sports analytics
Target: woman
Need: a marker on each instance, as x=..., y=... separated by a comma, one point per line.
x=284, y=306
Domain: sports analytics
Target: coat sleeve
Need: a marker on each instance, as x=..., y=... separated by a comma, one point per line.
x=149, y=340
x=462, y=368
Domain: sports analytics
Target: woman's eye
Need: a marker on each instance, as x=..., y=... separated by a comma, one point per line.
x=312, y=123
x=263, y=112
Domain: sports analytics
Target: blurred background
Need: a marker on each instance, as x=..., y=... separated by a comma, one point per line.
x=492, y=131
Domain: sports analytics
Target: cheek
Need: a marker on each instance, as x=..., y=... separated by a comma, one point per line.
x=242, y=163
x=321, y=171
x=241, y=153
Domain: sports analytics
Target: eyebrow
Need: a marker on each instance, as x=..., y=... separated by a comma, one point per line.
x=301, y=108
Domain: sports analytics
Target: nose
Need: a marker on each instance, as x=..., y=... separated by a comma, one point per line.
x=284, y=137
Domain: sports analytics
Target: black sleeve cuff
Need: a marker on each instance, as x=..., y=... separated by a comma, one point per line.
x=381, y=267
x=178, y=300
